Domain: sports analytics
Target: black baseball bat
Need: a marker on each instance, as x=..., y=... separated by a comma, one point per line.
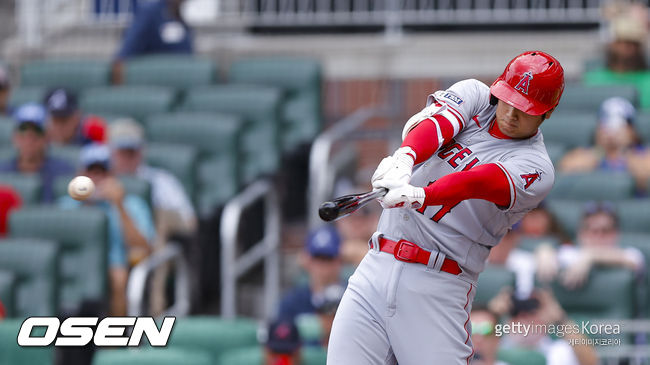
x=347, y=204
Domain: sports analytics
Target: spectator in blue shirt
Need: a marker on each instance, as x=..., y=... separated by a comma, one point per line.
x=322, y=262
x=130, y=223
x=31, y=145
x=157, y=27
x=5, y=89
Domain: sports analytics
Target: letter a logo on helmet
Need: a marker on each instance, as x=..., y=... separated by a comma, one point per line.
x=524, y=83
x=532, y=82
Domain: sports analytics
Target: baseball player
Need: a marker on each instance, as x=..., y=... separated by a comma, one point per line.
x=480, y=165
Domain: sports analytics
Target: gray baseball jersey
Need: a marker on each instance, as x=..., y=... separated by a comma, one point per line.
x=411, y=313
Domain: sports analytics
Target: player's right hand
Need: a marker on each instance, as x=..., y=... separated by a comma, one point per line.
x=394, y=171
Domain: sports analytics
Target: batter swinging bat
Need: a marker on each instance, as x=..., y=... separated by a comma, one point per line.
x=347, y=204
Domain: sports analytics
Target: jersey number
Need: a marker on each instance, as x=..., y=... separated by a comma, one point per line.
x=441, y=212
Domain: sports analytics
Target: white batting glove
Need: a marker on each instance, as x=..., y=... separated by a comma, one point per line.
x=405, y=196
x=395, y=170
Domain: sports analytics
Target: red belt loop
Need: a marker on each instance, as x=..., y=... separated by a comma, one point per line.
x=410, y=252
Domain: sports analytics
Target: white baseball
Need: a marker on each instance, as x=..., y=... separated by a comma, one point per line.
x=81, y=187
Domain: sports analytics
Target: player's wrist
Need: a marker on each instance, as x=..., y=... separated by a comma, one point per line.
x=405, y=156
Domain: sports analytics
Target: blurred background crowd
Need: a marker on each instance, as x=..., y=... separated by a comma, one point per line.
x=214, y=129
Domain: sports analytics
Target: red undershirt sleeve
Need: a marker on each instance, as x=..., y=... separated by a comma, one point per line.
x=425, y=140
x=487, y=182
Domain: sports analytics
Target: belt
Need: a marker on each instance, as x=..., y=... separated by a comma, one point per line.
x=410, y=252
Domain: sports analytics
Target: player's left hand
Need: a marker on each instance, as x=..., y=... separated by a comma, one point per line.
x=405, y=196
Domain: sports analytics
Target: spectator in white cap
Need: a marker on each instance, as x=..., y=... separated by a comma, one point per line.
x=31, y=150
x=617, y=145
x=129, y=220
x=5, y=89
x=171, y=204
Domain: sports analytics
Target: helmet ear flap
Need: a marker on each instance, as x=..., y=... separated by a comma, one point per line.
x=493, y=100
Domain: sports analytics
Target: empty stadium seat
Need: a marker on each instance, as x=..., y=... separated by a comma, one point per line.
x=135, y=101
x=35, y=263
x=587, y=99
x=177, y=71
x=28, y=186
x=531, y=243
x=73, y=74
x=158, y=356
x=301, y=78
x=12, y=354
x=634, y=215
x=213, y=334
x=490, y=282
x=642, y=125
x=215, y=184
x=608, y=293
x=260, y=107
x=179, y=160
x=6, y=131
x=597, y=185
x=66, y=152
x=570, y=129
x=8, y=283
x=254, y=356
x=26, y=94
x=520, y=356
x=568, y=213
x=556, y=151
x=82, y=235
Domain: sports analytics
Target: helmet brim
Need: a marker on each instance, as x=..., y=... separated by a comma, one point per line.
x=503, y=91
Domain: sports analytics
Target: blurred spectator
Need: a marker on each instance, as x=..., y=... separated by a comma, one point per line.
x=484, y=339
x=9, y=199
x=282, y=346
x=618, y=146
x=157, y=27
x=3, y=312
x=171, y=204
x=5, y=91
x=597, y=244
x=65, y=123
x=629, y=31
x=542, y=311
x=321, y=259
x=129, y=220
x=326, y=303
x=31, y=145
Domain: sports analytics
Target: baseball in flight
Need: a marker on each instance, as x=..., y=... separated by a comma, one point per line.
x=81, y=187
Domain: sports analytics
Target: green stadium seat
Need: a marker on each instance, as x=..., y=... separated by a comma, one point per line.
x=556, y=151
x=301, y=78
x=74, y=74
x=216, y=184
x=6, y=153
x=530, y=244
x=254, y=356
x=6, y=131
x=520, y=356
x=177, y=71
x=26, y=94
x=82, y=235
x=35, y=262
x=608, y=293
x=260, y=107
x=597, y=185
x=491, y=281
x=213, y=335
x=634, y=215
x=570, y=129
x=12, y=354
x=582, y=98
x=640, y=241
x=158, y=356
x=28, y=186
x=309, y=327
x=568, y=214
x=642, y=126
x=134, y=101
x=8, y=282
x=178, y=159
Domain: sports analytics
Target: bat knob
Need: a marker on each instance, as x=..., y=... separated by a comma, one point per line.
x=328, y=211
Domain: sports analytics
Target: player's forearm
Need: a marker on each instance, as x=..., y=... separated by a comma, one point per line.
x=613, y=257
x=487, y=182
x=428, y=136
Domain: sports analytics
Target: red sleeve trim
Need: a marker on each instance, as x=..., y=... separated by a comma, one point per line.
x=458, y=116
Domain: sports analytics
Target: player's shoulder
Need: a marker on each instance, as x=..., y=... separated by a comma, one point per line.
x=469, y=90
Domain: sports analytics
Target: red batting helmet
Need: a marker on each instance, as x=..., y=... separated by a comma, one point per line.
x=532, y=82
